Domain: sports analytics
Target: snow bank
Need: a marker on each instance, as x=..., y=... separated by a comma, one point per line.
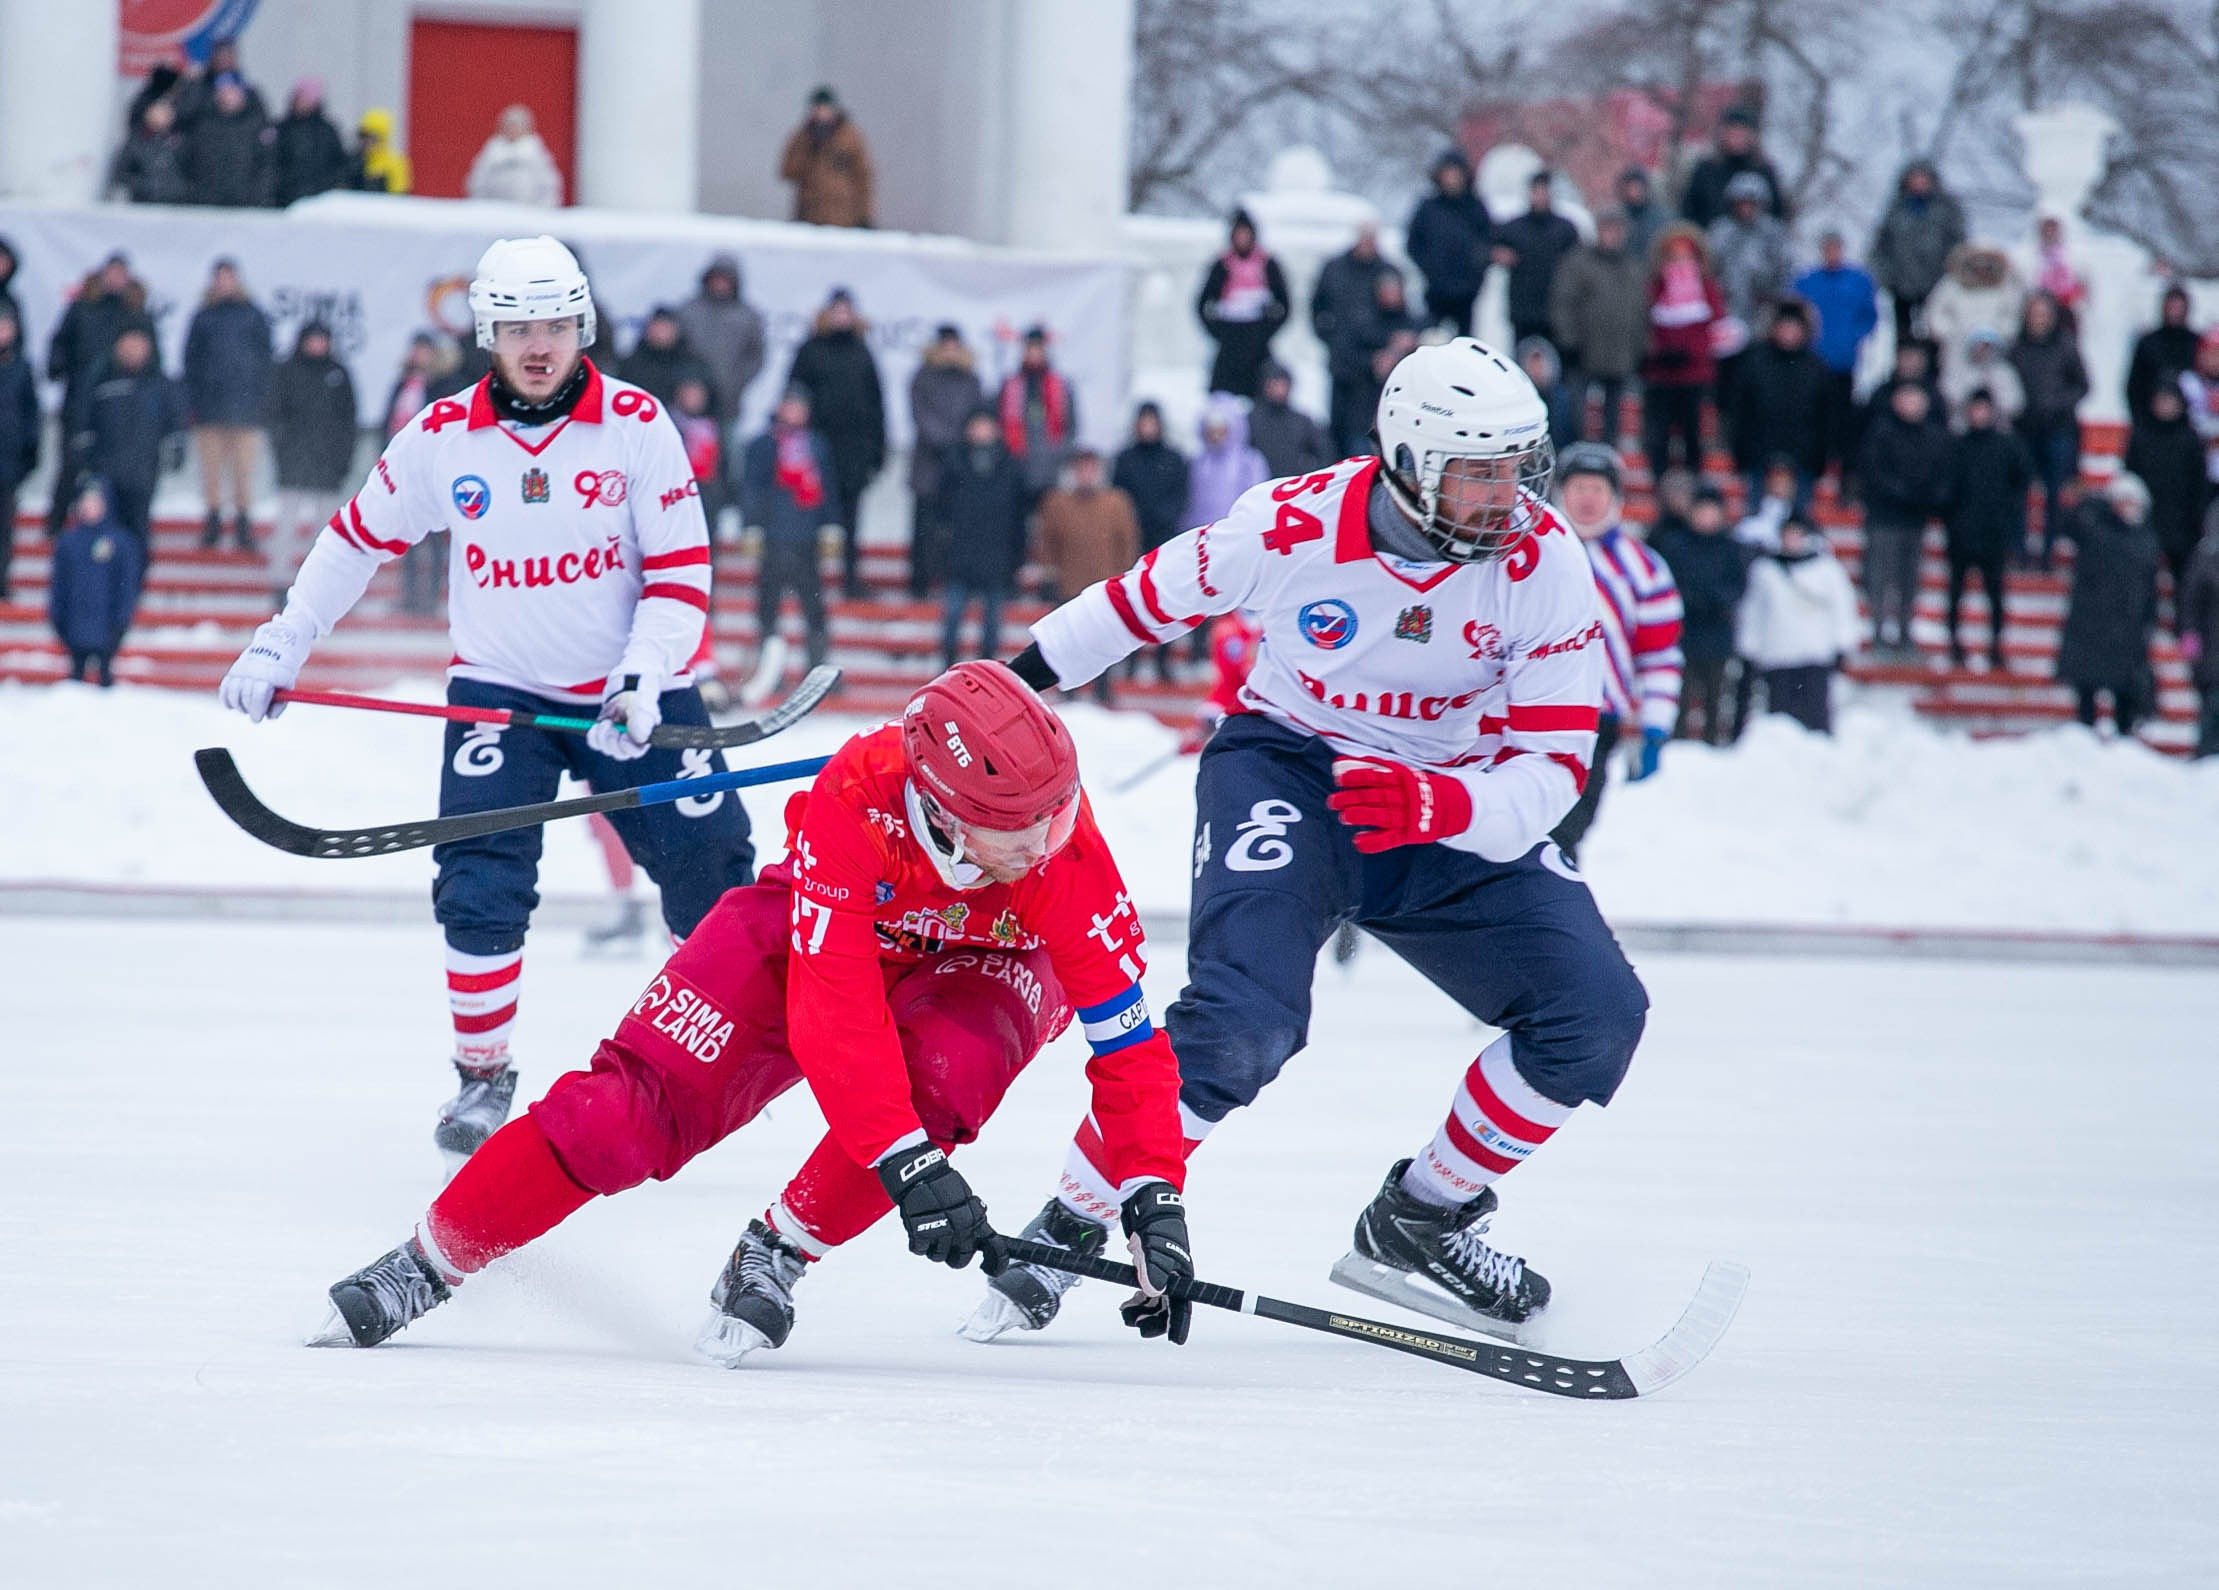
x=1892, y=823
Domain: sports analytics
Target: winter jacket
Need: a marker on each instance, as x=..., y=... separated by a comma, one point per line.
x=1242, y=329
x=227, y=158
x=2169, y=458
x=1981, y=291
x=727, y=335
x=847, y=405
x=1989, y=474
x=1754, y=264
x=772, y=508
x=1800, y=612
x=1967, y=375
x=982, y=502
x=126, y=418
x=1347, y=288
x=2160, y=355
x=942, y=395
x=1039, y=413
x=1448, y=239
x=1704, y=201
x=307, y=157
x=1905, y=470
x=1781, y=404
x=1154, y=475
x=1599, y=310
x=86, y=334
x=1087, y=536
x=1566, y=407
x=93, y=587
x=1712, y=572
x=516, y=170
x=312, y=423
x=1643, y=222
x=1846, y=304
x=1911, y=250
x=830, y=168
x=1540, y=239
x=2052, y=376
x=2199, y=608
x=1218, y=475
x=1680, y=333
x=19, y=424
x=150, y=168
x=228, y=363
x=374, y=165
x=658, y=371
x=1291, y=442
x=2105, y=644
x=8, y=269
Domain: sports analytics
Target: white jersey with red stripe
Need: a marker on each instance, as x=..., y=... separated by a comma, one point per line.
x=577, y=550
x=1641, y=630
x=1488, y=671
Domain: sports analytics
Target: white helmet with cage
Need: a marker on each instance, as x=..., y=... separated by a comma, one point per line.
x=530, y=278
x=1464, y=438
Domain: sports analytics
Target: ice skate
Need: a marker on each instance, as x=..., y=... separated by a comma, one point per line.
x=474, y=1114
x=622, y=934
x=1424, y=1257
x=1025, y=1297
x=378, y=1299
x=754, y=1297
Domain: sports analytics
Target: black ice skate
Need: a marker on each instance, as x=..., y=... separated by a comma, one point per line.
x=1430, y=1259
x=754, y=1297
x=474, y=1114
x=377, y=1300
x=1025, y=1297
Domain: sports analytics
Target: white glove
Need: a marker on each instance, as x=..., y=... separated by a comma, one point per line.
x=630, y=710
x=270, y=664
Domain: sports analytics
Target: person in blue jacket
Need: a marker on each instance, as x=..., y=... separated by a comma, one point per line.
x=1847, y=305
x=94, y=587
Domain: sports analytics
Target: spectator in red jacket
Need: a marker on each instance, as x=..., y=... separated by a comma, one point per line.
x=1040, y=415
x=1685, y=304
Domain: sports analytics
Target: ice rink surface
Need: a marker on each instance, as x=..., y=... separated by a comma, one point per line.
x=1980, y=1203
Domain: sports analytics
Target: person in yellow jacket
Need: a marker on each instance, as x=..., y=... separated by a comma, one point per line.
x=378, y=166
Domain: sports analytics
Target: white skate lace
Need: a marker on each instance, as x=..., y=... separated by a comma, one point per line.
x=767, y=1267
x=1502, y=1271
x=400, y=1288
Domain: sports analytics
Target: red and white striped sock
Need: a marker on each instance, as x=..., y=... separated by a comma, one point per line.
x=481, y=993
x=1494, y=1122
x=1086, y=1188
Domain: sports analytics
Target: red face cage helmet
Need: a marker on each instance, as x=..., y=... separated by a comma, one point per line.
x=983, y=747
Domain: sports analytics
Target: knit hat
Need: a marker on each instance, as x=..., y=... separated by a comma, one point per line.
x=1588, y=458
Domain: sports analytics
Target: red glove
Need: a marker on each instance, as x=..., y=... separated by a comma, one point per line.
x=1390, y=804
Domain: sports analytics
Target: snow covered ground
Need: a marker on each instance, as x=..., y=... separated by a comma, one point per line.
x=1891, y=823
x=1979, y=1203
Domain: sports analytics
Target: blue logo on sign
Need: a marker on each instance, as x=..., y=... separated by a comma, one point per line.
x=473, y=496
x=1328, y=625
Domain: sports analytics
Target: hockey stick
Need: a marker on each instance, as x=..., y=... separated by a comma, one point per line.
x=1585, y=1379
x=1133, y=781
x=675, y=736
x=243, y=807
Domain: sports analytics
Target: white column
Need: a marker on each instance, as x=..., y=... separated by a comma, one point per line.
x=639, y=104
x=1070, y=73
x=58, y=99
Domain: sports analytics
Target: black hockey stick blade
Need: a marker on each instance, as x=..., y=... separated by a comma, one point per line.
x=239, y=803
x=814, y=687
x=1583, y=1379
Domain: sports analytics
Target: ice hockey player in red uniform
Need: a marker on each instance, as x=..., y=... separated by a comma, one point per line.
x=1232, y=653
x=1421, y=712
x=946, y=907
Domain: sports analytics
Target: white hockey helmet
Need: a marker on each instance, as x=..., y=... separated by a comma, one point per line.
x=1461, y=400
x=530, y=278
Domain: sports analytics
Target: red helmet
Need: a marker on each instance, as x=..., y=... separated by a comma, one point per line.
x=986, y=749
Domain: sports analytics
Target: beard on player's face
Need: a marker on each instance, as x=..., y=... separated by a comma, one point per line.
x=535, y=357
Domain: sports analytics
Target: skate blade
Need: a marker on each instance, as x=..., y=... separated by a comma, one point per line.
x=1405, y=1290
x=724, y=1341
x=995, y=1317
x=332, y=1333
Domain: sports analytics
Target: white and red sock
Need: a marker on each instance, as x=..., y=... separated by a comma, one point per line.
x=1494, y=1122
x=481, y=995
x=1086, y=1188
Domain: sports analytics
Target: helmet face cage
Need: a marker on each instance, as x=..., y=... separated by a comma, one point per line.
x=1417, y=484
x=978, y=847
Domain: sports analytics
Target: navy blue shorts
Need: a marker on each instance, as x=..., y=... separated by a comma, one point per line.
x=487, y=888
x=1519, y=944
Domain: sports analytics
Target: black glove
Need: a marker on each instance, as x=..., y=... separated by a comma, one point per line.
x=1033, y=668
x=1156, y=1232
x=946, y=1222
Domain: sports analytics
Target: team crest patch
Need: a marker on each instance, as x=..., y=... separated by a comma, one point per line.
x=535, y=485
x=1328, y=625
x=955, y=916
x=606, y=487
x=882, y=891
x=1415, y=623
x=472, y=496
x=1004, y=930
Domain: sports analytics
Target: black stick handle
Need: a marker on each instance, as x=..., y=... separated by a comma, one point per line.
x=1204, y=1292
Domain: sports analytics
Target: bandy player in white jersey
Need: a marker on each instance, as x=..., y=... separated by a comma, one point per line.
x=577, y=574
x=1420, y=715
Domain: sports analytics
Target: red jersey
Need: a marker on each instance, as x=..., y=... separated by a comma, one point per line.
x=865, y=892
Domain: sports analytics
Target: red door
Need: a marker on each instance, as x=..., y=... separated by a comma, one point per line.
x=462, y=75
